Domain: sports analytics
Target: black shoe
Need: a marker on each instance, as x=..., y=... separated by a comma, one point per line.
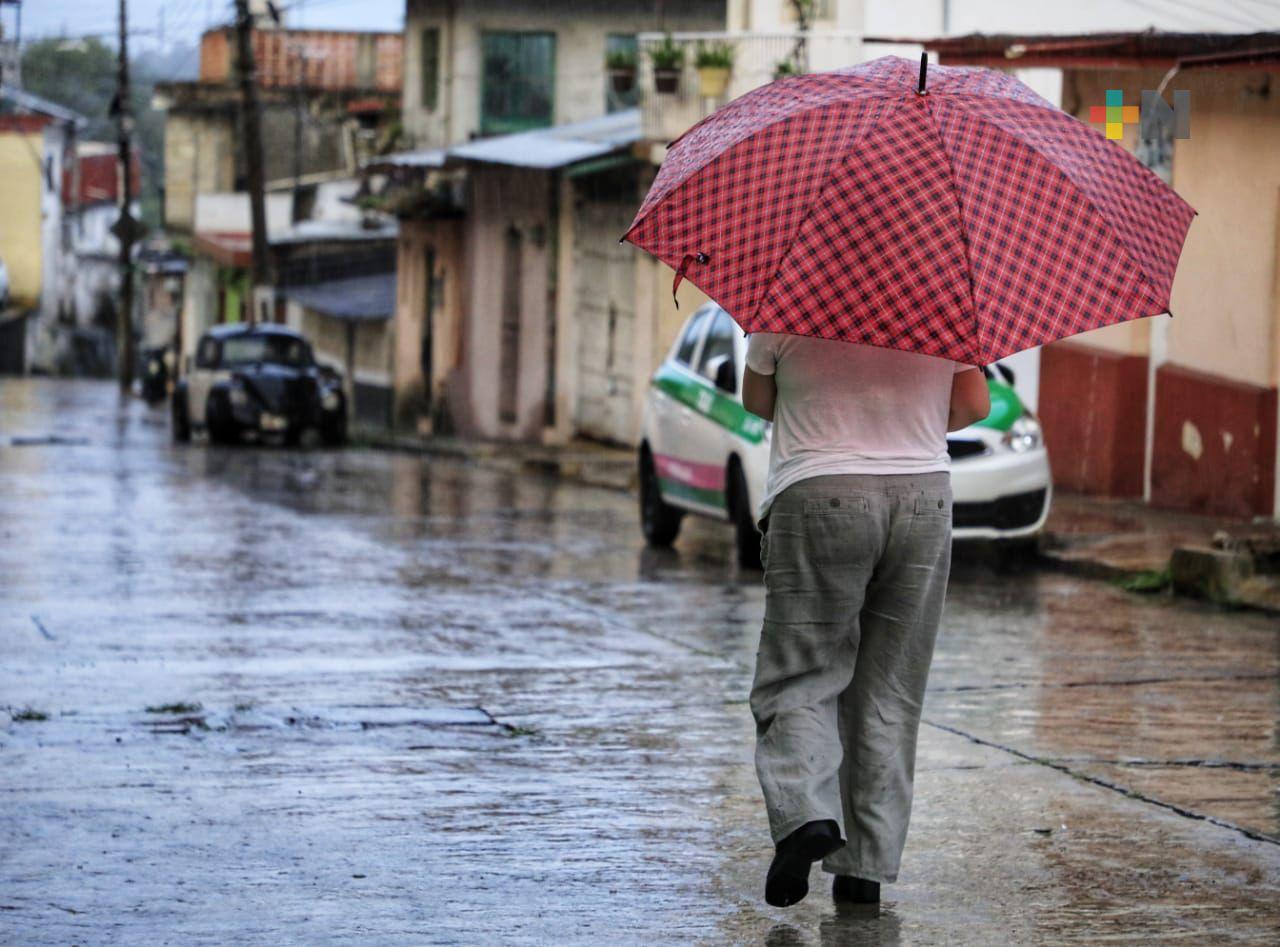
x=855, y=890
x=788, y=880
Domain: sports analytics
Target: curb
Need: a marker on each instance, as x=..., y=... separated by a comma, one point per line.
x=606, y=472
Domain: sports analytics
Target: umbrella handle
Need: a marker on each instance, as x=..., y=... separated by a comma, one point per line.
x=924, y=71
x=684, y=265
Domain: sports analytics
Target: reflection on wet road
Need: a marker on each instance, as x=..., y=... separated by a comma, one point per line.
x=316, y=696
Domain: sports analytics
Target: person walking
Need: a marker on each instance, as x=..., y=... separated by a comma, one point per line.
x=875, y=229
x=856, y=546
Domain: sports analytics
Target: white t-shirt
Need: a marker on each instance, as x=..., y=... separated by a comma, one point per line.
x=846, y=408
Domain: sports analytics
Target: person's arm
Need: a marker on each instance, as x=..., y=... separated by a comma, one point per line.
x=759, y=393
x=970, y=399
x=759, y=386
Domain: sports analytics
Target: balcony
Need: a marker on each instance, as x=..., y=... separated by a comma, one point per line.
x=756, y=58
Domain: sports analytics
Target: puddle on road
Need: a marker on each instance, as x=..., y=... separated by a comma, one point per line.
x=184, y=718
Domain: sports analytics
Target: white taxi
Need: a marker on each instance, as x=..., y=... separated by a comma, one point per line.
x=702, y=452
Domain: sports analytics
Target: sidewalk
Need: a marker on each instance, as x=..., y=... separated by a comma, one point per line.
x=1229, y=561
x=582, y=461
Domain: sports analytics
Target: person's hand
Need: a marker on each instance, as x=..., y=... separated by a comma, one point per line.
x=970, y=399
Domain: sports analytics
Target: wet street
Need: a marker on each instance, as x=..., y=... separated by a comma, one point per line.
x=267, y=696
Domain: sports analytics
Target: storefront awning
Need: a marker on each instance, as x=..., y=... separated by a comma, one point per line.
x=368, y=298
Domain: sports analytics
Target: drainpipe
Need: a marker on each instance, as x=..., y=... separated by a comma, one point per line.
x=553, y=260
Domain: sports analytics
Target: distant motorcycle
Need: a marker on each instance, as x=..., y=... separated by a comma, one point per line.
x=155, y=376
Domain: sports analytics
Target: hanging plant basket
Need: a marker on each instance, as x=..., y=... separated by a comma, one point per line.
x=622, y=79
x=713, y=81
x=666, y=80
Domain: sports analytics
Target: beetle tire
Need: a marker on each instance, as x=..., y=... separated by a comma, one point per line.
x=218, y=418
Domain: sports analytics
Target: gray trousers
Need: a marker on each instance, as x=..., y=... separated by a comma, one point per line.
x=856, y=569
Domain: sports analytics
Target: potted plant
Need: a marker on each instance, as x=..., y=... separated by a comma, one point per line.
x=668, y=61
x=621, y=66
x=785, y=68
x=714, y=62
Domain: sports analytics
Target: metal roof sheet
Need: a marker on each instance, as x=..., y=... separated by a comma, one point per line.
x=426, y=158
x=558, y=145
x=21, y=100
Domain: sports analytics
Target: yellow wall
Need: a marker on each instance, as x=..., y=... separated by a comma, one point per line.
x=1225, y=311
x=20, y=157
x=1226, y=319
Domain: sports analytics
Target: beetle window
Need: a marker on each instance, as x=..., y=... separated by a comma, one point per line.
x=719, y=343
x=207, y=354
x=273, y=349
x=689, y=343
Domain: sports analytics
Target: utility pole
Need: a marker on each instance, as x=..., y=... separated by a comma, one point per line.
x=125, y=225
x=251, y=133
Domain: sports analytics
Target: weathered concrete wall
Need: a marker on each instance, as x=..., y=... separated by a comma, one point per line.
x=581, y=29
x=1209, y=418
x=202, y=153
x=421, y=296
x=503, y=202
x=199, y=158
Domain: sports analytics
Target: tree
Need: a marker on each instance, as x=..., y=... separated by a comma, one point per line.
x=81, y=74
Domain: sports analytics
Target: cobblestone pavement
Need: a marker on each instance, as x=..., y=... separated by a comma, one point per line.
x=261, y=696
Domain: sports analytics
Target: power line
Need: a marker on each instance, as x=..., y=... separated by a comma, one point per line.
x=1223, y=14
x=1154, y=7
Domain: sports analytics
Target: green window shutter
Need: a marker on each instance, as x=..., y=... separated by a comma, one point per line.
x=518, y=81
x=430, y=68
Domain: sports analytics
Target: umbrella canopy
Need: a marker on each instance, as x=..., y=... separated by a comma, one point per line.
x=969, y=221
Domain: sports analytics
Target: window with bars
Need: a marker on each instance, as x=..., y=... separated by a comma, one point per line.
x=517, y=81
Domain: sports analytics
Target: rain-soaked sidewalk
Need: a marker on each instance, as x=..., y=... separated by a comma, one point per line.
x=259, y=696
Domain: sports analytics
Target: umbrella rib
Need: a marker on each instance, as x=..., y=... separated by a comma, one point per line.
x=817, y=199
x=964, y=231
x=755, y=130
x=1121, y=241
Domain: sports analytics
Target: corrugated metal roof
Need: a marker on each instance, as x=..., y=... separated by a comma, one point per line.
x=427, y=158
x=19, y=100
x=557, y=146
x=363, y=298
x=552, y=147
x=309, y=231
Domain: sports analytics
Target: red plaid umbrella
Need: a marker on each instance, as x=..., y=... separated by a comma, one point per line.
x=969, y=222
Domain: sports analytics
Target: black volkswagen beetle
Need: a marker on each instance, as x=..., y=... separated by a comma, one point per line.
x=261, y=380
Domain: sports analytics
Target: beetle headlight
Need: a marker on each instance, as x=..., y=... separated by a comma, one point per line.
x=329, y=400
x=239, y=397
x=1023, y=435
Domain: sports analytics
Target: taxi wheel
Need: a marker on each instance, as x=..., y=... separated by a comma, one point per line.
x=659, y=521
x=744, y=523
